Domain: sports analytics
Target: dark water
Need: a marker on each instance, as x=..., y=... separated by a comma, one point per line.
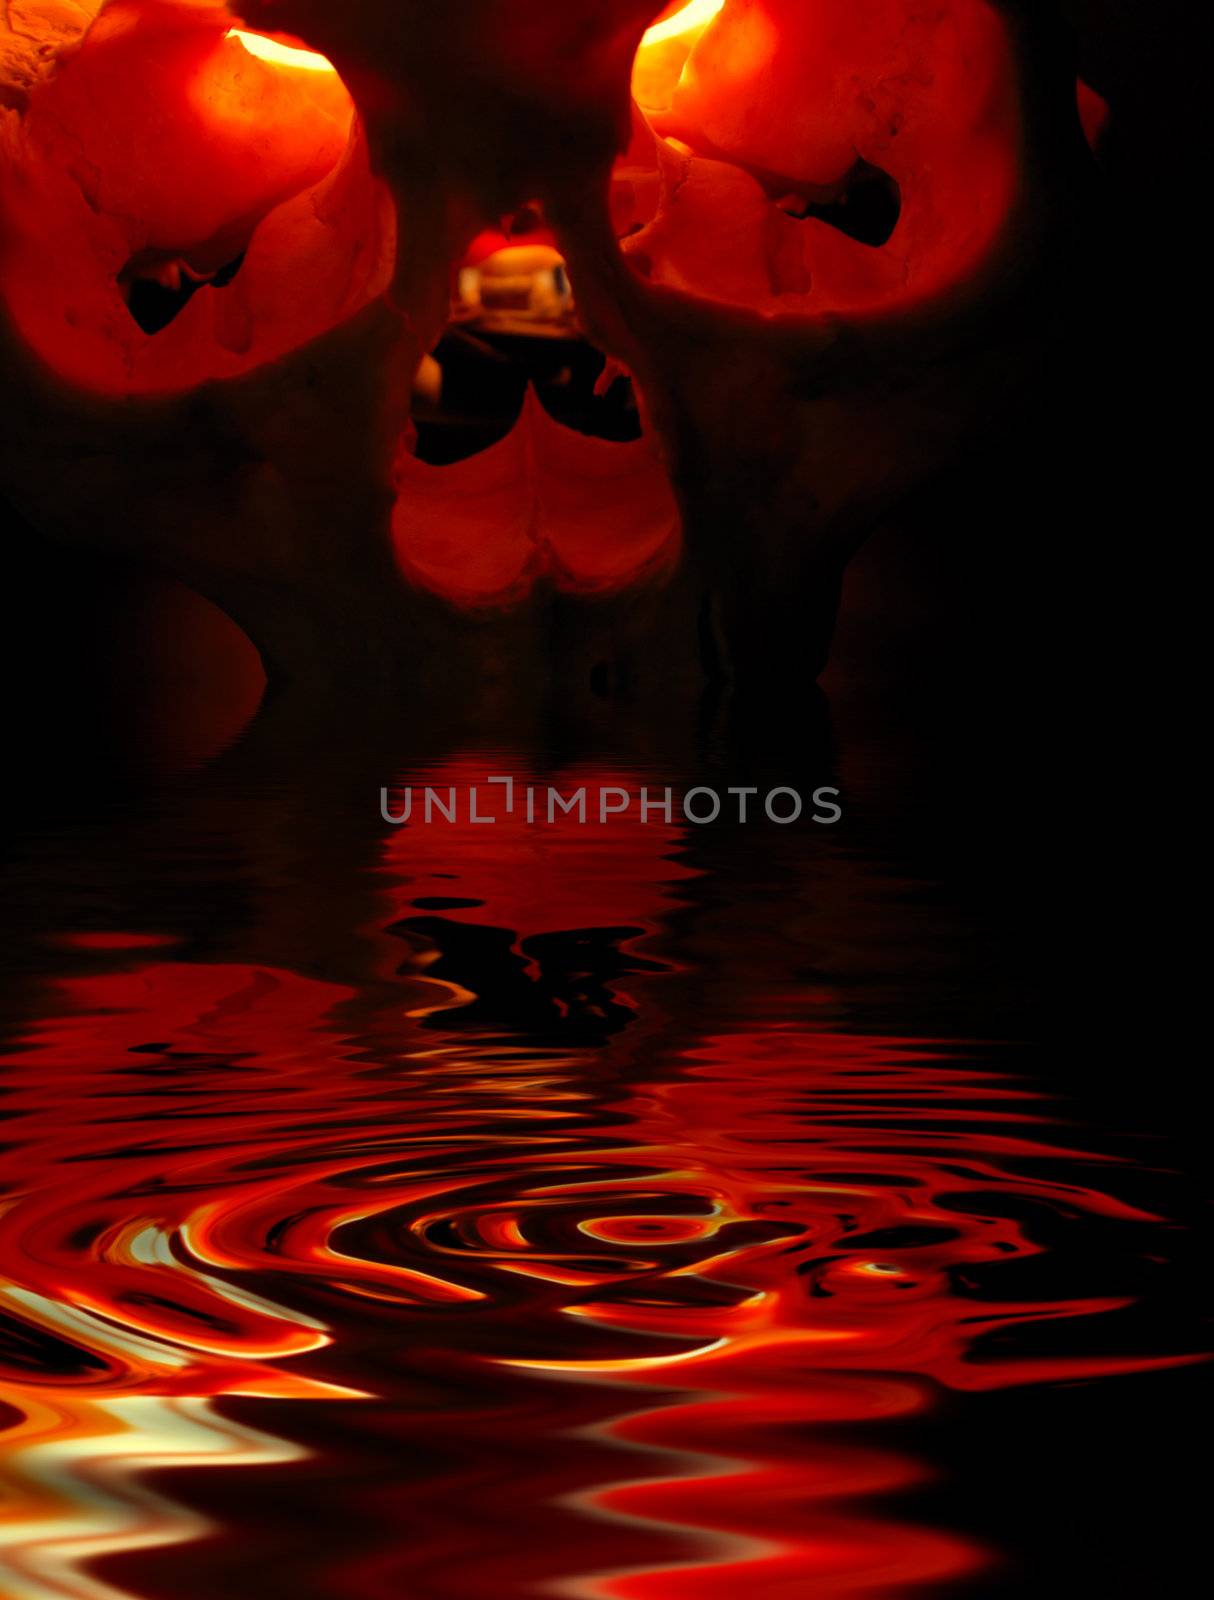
x=630, y=1211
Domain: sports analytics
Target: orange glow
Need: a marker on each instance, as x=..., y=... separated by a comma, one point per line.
x=695, y=14
x=665, y=50
x=282, y=55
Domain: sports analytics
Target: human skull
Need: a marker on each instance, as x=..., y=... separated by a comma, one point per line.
x=812, y=240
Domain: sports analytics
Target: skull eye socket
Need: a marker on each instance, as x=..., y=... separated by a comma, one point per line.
x=819, y=155
x=185, y=201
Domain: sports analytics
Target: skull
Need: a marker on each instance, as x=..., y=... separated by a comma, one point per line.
x=746, y=270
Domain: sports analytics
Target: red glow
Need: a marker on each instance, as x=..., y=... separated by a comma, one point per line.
x=1094, y=114
x=544, y=503
x=114, y=941
x=490, y=240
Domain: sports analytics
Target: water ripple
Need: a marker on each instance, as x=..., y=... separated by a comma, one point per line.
x=528, y=1180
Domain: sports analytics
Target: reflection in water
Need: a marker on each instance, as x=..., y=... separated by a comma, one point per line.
x=76, y=1489
x=521, y=1209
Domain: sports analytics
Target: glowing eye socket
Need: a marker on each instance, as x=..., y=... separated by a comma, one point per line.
x=760, y=171
x=185, y=205
x=282, y=55
x=696, y=14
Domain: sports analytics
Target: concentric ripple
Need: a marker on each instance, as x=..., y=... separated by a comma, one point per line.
x=538, y=1217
